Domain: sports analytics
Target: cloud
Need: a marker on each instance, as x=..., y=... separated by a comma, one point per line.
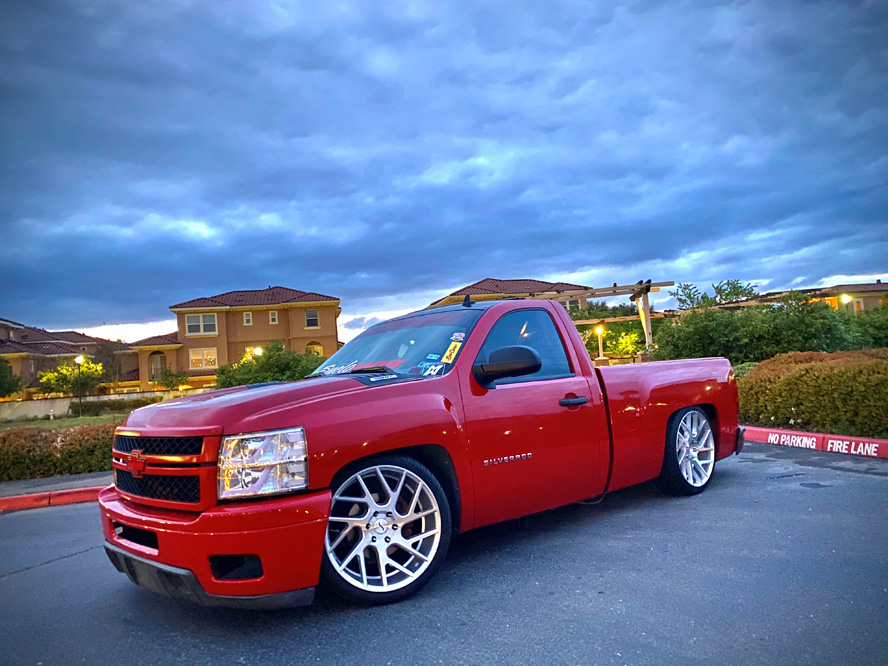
x=156, y=152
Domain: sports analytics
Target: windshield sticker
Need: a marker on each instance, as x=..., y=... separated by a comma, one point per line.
x=433, y=370
x=458, y=337
x=450, y=354
x=354, y=365
x=381, y=377
x=433, y=357
x=403, y=350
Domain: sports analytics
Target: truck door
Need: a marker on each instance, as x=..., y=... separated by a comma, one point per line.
x=534, y=443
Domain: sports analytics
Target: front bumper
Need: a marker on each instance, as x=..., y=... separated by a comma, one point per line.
x=173, y=552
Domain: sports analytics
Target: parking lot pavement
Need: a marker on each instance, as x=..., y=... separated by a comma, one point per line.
x=783, y=560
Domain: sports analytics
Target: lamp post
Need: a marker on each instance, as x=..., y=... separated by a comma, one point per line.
x=79, y=362
x=602, y=359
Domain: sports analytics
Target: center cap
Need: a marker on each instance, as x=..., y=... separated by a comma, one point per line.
x=381, y=525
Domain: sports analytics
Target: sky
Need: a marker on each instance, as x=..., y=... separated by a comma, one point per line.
x=388, y=153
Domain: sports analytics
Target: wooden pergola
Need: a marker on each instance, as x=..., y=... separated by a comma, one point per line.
x=638, y=293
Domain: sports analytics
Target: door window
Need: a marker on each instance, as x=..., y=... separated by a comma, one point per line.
x=529, y=328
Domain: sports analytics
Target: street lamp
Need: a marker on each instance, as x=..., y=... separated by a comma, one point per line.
x=79, y=362
x=845, y=298
x=602, y=359
x=257, y=351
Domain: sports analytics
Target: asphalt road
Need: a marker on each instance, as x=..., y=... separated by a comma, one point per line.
x=783, y=560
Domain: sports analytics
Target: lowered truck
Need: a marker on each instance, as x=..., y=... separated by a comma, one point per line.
x=424, y=426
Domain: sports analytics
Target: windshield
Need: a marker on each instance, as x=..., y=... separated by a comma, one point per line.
x=424, y=345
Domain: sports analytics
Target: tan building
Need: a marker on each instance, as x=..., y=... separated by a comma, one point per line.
x=217, y=330
x=849, y=297
x=492, y=289
x=31, y=350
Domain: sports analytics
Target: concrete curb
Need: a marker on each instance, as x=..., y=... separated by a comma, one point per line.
x=54, y=498
x=815, y=441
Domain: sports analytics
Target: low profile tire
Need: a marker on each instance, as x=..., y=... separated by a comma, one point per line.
x=689, y=460
x=388, y=532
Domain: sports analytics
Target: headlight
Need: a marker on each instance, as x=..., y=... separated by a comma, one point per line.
x=263, y=463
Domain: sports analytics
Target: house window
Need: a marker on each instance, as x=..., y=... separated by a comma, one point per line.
x=203, y=358
x=311, y=319
x=273, y=317
x=314, y=349
x=248, y=318
x=858, y=304
x=573, y=304
x=156, y=365
x=200, y=324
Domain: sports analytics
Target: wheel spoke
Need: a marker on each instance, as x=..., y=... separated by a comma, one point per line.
x=412, y=551
x=383, y=560
x=341, y=536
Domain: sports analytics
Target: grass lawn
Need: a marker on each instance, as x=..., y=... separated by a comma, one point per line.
x=58, y=424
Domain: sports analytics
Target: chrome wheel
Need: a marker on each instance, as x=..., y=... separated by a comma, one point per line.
x=695, y=448
x=384, y=529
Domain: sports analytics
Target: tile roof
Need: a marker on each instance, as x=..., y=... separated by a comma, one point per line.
x=130, y=376
x=270, y=296
x=519, y=286
x=867, y=286
x=75, y=336
x=51, y=349
x=9, y=321
x=12, y=347
x=156, y=340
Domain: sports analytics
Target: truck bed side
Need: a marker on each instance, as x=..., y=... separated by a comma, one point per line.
x=641, y=399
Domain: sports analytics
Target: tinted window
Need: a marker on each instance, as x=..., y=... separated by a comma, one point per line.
x=529, y=328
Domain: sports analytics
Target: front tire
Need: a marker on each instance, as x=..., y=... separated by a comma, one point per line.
x=388, y=531
x=689, y=460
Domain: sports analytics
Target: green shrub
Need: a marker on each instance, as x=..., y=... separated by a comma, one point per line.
x=121, y=406
x=844, y=393
x=31, y=453
x=743, y=369
x=760, y=332
x=277, y=364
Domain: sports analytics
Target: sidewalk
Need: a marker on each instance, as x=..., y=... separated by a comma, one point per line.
x=54, y=491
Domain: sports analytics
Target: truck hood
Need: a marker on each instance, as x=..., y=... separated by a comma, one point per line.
x=240, y=409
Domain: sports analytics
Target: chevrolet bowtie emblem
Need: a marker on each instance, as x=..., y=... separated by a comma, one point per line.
x=135, y=464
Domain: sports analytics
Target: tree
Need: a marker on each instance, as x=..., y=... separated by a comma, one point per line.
x=171, y=380
x=108, y=355
x=74, y=379
x=276, y=364
x=627, y=344
x=9, y=382
x=689, y=297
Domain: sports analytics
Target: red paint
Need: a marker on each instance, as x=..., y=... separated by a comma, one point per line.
x=54, y=498
x=544, y=455
x=859, y=446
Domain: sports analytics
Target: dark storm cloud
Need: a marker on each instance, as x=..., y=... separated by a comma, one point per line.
x=154, y=152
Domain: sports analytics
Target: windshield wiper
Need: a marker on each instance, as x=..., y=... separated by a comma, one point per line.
x=376, y=369
x=381, y=369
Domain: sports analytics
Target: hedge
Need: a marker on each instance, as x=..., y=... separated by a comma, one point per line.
x=842, y=393
x=32, y=453
x=117, y=406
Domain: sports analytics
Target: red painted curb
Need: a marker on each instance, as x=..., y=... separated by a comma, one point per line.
x=55, y=498
x=75, y=496
x=815, y=441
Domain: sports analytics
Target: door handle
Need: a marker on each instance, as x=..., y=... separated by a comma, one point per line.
x=573, y=402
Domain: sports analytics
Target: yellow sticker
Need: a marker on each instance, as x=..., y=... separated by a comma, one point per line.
x=450, y=354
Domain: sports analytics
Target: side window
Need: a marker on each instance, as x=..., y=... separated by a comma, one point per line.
x=529, y=328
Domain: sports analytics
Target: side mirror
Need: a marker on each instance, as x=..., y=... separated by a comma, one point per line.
x=507, y=362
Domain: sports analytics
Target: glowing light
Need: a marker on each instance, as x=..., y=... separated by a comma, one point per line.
x=599, y=330
x=845, y=298
x=257, y=351
x=79, y=360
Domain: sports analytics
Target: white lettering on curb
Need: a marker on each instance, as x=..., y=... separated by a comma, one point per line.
x=800, y=441
x=870, y=449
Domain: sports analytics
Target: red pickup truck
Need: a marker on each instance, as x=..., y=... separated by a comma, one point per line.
x=423, y=426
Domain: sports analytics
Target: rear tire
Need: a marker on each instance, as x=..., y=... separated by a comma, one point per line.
x=689, y=459
x=388, y=531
